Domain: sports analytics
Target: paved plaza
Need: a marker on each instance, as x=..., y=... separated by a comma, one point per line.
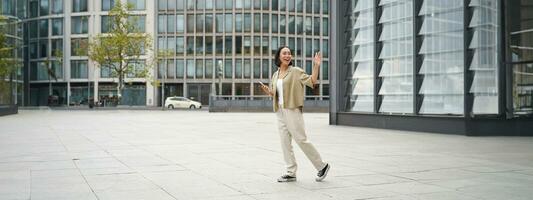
x=196, y=155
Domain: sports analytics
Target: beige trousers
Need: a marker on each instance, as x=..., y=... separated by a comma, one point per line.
x=291, y=125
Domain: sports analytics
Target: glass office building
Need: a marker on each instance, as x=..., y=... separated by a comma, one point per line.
x=57, y=67
x=235, y=40
x=237, y=36
x=11, y=84
x=454, y=66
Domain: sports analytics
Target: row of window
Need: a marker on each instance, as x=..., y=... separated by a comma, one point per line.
x=311, y=6
x=230, y=69
x=39, y=49
x=46, y=7
x=229, y=22
x=175, y=69
x=242, y=45
x=78, y=70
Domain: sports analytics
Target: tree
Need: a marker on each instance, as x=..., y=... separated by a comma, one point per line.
x=8, y=62
x=57, y=57
x=120, y=49
x=161, y=57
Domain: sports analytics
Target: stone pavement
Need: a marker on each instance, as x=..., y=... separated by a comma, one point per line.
x=153, y=155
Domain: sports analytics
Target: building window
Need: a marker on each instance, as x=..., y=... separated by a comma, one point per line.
x=171, y=23
x=442, y=47
x=396, y=57
x=180, y=23
x=43, y=28
x=79, y=46
x=209, y=45
x=228, y=69
x=208, y=69
x=257, y=69
x=57, y=47
x=137, y=4
x=80, y=25
x=180, y=68
x=105, y=24
x=208, y=23
x=360, y=72
x=199, y=68
x=57, y=6
x=228, y=23
x=108, y=4
x=57, y=26
x=238, y=69
x=180, y=46
x=162, y=4
x=44, y=7
x=138, y=22
x=78, y=69
x=247, y=68
x=257, y=23
x=190, y=23
x=190, y=68
x=43, y=48
x=518, y=33
x=161, y=23
x=247, y=22
x=199, y=23
x=79, y=5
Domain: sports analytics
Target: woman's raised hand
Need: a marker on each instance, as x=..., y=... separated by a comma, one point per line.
x=317, y=60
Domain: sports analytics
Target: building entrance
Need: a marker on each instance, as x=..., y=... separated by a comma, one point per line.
x=199, y=92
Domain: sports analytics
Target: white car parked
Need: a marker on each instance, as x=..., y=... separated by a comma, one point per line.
x=181, y=102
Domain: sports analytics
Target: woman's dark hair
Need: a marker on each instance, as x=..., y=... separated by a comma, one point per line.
x=277, y=61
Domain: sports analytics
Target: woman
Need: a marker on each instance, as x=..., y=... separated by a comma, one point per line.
x=287, y=89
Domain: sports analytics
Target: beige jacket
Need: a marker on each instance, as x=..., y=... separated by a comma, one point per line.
x=293, y=88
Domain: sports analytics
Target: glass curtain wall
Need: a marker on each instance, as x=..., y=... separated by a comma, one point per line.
x=360, y=77
x=442, y=54
x=483, y=33
x=396, y=56
x=396, y=62
x=520, y=55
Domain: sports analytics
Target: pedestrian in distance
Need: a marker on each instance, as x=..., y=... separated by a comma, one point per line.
x=287, y=91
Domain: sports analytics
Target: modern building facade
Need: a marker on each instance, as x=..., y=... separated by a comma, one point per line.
x=237, y=36
x=235, y=40
x=454, y=66
x=11, y=81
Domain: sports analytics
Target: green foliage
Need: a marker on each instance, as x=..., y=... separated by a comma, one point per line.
x=8, y=61
x=120, y=48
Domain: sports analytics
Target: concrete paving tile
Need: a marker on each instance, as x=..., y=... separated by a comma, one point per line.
x=40, y=174
x=374, y=179
x=202, y=191
x=15, y=196
x=142, y=161
x=231, y=197
x=15, y=183
x=357, y=192
x=264, y=187
x=51, y=165
x=107, y=171
x=155, y=194
x=438, y=174
x=409, y=188
x=296, y=195
x=98, y=163
x=120, y=182
x=444, y=196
